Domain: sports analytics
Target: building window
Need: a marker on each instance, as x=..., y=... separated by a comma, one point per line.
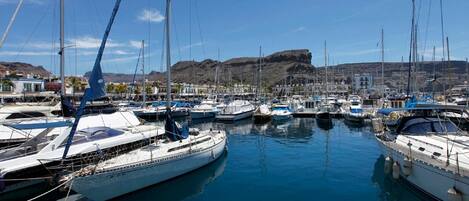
x=27, y=87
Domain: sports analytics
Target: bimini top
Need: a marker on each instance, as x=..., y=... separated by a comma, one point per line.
x=93, y=134
x=423, y=125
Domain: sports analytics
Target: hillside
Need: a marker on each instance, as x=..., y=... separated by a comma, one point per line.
x=23, y=68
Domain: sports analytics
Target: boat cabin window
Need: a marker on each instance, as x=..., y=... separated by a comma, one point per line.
x=430, y=127
x=22, y=115
x=93, y=134
x=355, y=103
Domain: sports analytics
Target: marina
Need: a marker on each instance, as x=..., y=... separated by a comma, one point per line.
x=282, y=126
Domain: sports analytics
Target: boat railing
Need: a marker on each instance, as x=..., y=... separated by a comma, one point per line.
x=447, y=161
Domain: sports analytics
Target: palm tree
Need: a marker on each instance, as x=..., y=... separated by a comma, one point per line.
x=110, y=88
x=7, y=84
x=120, y=89
x=76, y=84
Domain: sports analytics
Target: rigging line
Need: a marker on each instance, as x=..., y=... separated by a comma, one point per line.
x=149, y=40
x=53, y=60
x=200, y=29
x=173, y=21
x=13, y=17
x=32, y=33
x=426, y=27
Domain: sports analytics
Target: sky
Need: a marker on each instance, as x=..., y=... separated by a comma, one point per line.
x=237, y=28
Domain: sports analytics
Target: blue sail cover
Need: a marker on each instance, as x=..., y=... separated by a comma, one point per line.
x=172, y=131
x=67, y=108
x=96, y=82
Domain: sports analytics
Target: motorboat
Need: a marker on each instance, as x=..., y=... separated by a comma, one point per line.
x=236, y=110
x=263, y=114
x=281, y=112
x=207, y=109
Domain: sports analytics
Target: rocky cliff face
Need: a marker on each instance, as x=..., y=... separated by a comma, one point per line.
x=275, y=68
x=23, y=68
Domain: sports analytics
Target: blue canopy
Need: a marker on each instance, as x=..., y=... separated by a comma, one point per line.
x=40, y=125
x=386, y=111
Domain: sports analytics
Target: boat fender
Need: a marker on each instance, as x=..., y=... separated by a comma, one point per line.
x=2, y=183
x=407, y=166
x=395, y=170
x=454, y=194
x=388, y=165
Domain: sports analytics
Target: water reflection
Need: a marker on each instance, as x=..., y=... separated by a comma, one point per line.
x=391, y=189
x=182, y=187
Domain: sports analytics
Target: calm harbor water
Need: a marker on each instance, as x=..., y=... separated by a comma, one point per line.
x=292, y=160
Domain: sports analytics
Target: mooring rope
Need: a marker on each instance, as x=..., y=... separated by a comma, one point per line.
x=55, y=188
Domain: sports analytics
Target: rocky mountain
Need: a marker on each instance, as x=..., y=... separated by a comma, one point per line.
x=294, y=66
x=24, y=69
x=275, y=68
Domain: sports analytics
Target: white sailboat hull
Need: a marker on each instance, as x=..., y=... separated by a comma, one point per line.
x=121, y=181
x=429, y=179
x=234, y=117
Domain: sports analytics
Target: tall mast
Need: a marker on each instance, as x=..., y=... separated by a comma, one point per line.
x=61, y=52
x=144, y=91
x=259, y=76
x=434, y=73
x=168, y=55
x=449, y=66
x=216, y=73
x=382, y=61
x=411, y=48
x=325, y=64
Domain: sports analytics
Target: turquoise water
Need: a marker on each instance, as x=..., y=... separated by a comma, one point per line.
x=293, y=160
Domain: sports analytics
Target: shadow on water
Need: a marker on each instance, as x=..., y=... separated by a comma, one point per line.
x=394, y=190
x=324, y=124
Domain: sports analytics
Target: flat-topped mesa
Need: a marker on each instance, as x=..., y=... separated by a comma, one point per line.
x=302, y=56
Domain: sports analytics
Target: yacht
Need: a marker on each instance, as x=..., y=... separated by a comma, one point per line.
x=207, y=109
x=430, y=153
x=157, y=111
x=281, y=112
x=324, y=117
x=355, y=114
x=263, y=114
x=97, y=136
x=14, y=115
x=236, y=110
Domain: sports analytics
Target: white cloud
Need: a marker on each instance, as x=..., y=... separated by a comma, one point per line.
x=88, y=42
x=120, y=52
x=302, y=28
x=192, y=45
x=135, y=43
x=151, y=15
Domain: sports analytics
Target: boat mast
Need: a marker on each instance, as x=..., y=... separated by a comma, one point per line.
x=325, y=64
x=216, y=75
x=259, y=71
x=382, y=62
x=61, y=52
x=168, y=56
x=411, y=48
x=144, y=91
x=13, y=17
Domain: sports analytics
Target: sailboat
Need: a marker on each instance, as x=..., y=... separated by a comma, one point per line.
x=323, y=116
x=86, y=139
x=180, y=152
